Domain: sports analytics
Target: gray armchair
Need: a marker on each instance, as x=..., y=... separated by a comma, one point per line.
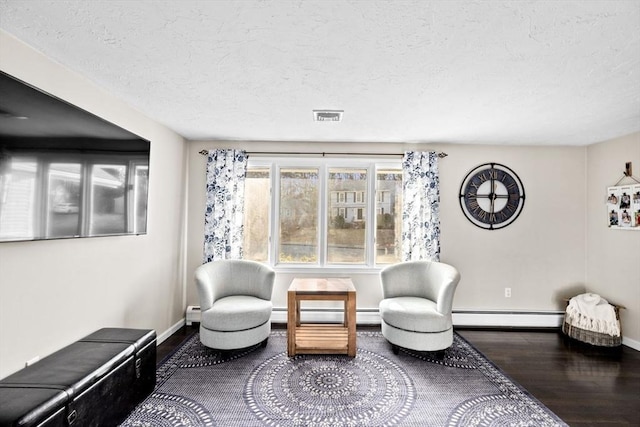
x=416, y=305
x=235, y=303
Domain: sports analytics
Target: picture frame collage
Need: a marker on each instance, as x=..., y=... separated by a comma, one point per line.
x=623, y=207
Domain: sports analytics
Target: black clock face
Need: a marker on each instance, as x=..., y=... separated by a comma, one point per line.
x=491, y=196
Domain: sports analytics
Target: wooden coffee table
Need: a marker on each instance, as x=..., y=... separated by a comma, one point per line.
x=314, y=338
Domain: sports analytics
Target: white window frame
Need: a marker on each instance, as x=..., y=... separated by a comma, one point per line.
x=276, y=164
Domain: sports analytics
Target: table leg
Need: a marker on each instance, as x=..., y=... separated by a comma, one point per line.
x=292, y=320
x=350, y=314
x=345, y=314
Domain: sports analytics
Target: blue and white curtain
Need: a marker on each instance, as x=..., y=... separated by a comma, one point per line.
x=223, y=229
x=420, y=207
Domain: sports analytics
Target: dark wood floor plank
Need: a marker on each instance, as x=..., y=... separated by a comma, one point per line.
x=586, y=386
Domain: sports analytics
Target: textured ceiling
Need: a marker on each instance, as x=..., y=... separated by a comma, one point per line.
x=504, y=72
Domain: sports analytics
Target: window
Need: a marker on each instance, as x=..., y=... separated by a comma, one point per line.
x=256, y=223
x=346, y=237
x=323, y=213
x=298, y=229
x=389, y=218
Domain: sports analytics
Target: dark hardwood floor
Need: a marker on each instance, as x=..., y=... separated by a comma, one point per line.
x=584, y=385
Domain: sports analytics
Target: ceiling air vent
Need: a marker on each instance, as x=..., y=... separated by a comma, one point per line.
x=327, y=115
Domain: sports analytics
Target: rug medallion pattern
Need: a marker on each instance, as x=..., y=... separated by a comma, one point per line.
x=197, y=386
x=337, y=390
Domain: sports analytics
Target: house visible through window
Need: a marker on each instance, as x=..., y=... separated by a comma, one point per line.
x=322, y=214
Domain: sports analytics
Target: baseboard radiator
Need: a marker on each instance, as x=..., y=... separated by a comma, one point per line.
x=486, y=318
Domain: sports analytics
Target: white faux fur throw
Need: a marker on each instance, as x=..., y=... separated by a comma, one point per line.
x=593, y=313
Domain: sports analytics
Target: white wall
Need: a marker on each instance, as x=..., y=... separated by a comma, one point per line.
x=613, y=256
x=55, y=292
x=541, y=256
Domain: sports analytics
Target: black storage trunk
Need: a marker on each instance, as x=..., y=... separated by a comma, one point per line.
x=144, y=344
x=96, y=381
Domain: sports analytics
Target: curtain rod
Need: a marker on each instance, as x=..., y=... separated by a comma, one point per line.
x=323, y=154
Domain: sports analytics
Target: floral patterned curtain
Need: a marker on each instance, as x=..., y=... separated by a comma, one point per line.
x=223, y=230
x=420, y=207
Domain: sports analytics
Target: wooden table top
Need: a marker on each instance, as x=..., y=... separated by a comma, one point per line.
x=332, y=285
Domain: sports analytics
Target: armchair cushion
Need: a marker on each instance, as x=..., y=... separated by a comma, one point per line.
x=235, y=313
x=414, y=314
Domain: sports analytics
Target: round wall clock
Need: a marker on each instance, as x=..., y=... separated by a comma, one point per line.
x=491, y=196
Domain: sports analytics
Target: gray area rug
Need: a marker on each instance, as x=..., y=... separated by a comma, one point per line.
x=258, y=386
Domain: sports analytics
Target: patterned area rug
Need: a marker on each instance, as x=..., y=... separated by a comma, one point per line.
x=258, y=386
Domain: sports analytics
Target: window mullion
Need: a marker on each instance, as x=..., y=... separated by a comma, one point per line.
x=370, y=243
x=275, y=215
x=323, y=228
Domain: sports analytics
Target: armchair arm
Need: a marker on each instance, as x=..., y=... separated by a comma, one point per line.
x=446, y=293
x=447, y=277
x=205, y=288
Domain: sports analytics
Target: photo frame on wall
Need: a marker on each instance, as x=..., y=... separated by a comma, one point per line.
x=623, y=207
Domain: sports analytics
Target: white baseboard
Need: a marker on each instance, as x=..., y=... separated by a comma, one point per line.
x=631, y=343
x=509, y=319
x=172, y=330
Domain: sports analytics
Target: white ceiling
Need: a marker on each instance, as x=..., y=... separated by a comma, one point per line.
x=503, y=72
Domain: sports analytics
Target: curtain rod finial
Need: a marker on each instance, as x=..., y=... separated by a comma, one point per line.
x=442, y=155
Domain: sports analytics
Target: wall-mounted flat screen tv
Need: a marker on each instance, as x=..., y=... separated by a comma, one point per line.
x=64, y=172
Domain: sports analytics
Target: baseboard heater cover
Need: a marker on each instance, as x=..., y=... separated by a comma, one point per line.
x=484, y=318
x=193, y=314
x=516, y=319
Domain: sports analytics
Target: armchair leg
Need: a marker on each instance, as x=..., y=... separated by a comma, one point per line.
x=395, y=349
x=263, y=344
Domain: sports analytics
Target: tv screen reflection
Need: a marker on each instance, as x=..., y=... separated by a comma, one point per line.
x=64, y=172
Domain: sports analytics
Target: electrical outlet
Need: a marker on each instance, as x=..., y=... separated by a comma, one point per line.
x=507, y=292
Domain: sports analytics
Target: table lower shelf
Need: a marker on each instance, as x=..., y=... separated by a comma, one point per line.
x=321, y=339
